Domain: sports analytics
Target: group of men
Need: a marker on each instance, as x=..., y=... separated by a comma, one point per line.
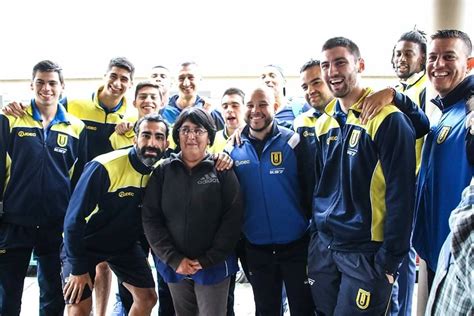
x=332, y=205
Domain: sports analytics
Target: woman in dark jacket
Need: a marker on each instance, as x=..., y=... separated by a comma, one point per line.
x=192, y=217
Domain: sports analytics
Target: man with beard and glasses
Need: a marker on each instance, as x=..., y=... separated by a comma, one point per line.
x=276, y=179
x=103, y=221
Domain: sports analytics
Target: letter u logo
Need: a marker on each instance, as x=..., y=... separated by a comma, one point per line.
x=354, y=138
x=443, y=134
x=62, y=140
x=363, y=299
x=276, y=158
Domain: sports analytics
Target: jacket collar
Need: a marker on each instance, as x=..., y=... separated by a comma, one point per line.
x=274, y=132
x=177, y=158
x=172, y=101
x=60, y=117
x=463, y=90
x=136, y=163
x=334, y=104
x=120, y=108
x=412, y=80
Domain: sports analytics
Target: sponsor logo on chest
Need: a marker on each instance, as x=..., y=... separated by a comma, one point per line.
x=26, y=134
x=208, y=178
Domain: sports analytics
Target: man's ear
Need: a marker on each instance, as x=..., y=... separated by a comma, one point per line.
x=361, y=63
x=470, y=64
x=275, y=106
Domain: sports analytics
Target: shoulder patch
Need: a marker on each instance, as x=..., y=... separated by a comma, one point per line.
x=294, y=140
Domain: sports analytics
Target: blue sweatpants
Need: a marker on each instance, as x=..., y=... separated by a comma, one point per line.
x=346, y=283
x=16, y=245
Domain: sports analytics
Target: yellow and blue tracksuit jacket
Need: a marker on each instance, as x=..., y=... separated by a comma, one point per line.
x=220, y=142
x=365, y=182
x=445, y=171
x=171, y=112
x=123, y=141
x=276, y=186
x=104, y=214
x=37, y=165
x=304, y=125
x=100, y=123
x=415, y=88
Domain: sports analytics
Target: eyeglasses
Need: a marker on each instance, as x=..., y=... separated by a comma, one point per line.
x=185, y=131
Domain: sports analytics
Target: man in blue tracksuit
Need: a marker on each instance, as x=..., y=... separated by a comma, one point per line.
x=39, y=153
x=364, y=194
x=446, y=168
x=276, y=179
x=103, y=221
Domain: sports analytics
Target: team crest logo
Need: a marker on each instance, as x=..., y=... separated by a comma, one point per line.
x=354, y=138
x=62, y=140
x=363, y=299
x=276, y=158
x=443, y=134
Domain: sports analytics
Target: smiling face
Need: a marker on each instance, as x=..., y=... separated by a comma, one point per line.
x=447, y=64
x=148, y=101
x=316, y=91
x=340, y=70
x=273, y=78
x=188, y=81
x=407, y=59
x=260, y=111
x=47, y=88
x=116, y=83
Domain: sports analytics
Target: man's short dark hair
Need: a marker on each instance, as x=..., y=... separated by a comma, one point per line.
x=442, y=34
x=48, y=66
x=310, y=64
x=124, y=63
x=342, y=42
x=415, y=36
x=237, y=91
x=146, y=84
x=197, y=116
x=153, y=117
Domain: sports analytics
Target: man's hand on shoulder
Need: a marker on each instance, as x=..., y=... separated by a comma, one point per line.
x=15, y=109
x=123, y=127
x=374, y=103
x=223, y=161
